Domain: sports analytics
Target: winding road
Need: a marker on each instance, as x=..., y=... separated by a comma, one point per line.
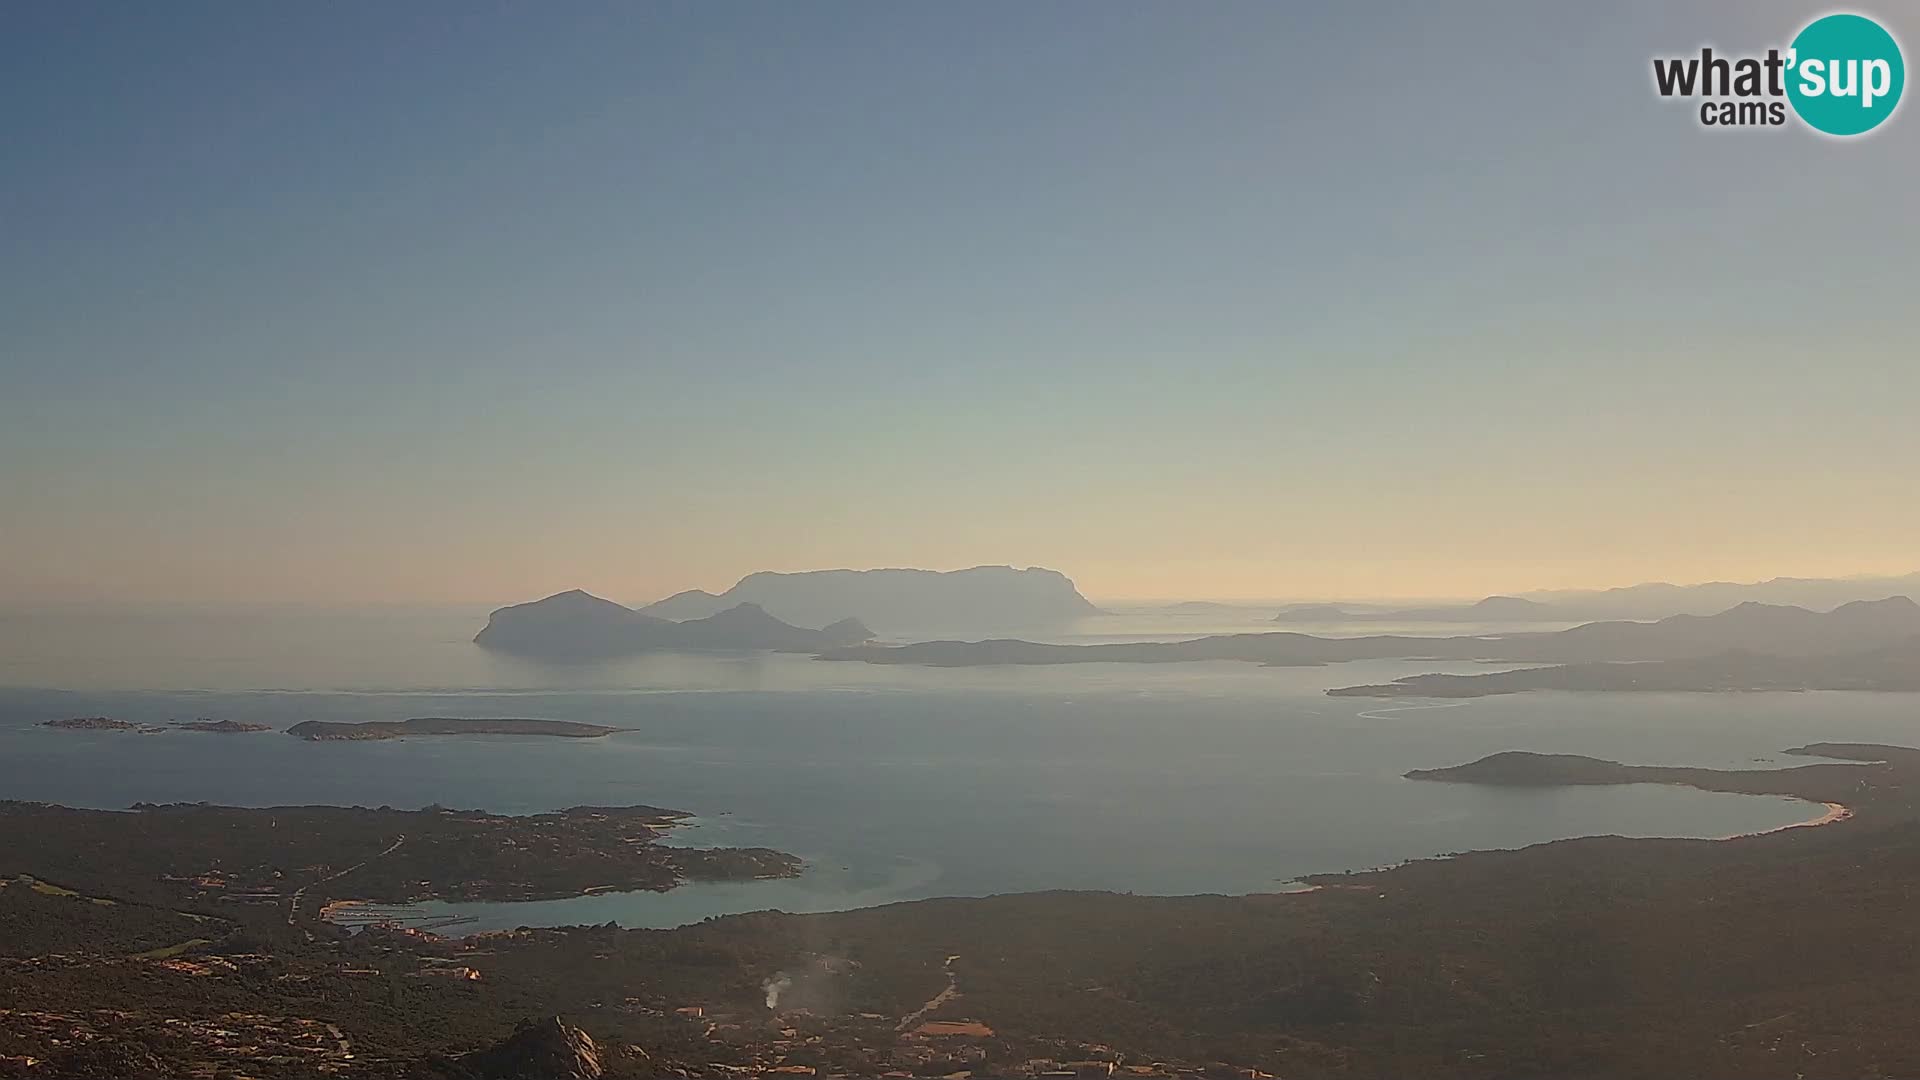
x=952, y=991
x=299, y=894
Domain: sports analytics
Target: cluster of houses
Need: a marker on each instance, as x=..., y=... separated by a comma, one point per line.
x=797, y=1042
x=234, y=1044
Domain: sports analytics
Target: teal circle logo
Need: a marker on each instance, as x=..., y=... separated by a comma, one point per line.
x=1845, y=74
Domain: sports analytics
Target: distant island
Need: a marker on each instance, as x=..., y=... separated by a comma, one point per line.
x=1771, y=630
x=897, y=601
x=577, y=625
x=100, y=723
x=329, y=731
x=1491, y=609
x=107, y=723
x=220, y=727
x=1202, y=607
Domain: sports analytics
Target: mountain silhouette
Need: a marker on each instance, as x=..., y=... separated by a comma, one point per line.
x=579, y=625
x=898, y=601
x=1768, y=629
x=1657, y=599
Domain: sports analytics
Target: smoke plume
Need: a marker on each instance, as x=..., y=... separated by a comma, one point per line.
x=775, y=987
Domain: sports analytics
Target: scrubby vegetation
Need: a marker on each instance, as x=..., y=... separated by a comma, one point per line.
x=253, y=864
x=1785, y=955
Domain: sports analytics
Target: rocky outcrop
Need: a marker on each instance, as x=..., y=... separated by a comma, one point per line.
x=549, y=1049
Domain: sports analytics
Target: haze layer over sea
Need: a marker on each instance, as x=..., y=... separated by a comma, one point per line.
x=892, y=782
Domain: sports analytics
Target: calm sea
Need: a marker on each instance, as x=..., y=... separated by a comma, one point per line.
x=893, y=783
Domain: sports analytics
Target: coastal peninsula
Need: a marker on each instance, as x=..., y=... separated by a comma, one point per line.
x=1861, y=630
x=1865, y=778
x=1893, y=668
x=290, y=859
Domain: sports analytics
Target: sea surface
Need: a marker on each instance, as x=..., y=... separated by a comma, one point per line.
x=893, y=783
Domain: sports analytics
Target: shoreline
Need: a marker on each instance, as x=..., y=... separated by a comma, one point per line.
x=401, y=915
x=1834, y=812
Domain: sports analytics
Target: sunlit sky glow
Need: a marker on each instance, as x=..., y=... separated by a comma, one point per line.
x=464, y=302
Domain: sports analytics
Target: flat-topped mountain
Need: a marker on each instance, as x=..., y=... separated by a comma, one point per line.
x=896, y=601
x=1756, y=628
x=579, y=625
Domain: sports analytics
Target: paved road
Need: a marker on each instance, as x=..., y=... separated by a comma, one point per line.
x=299, y=894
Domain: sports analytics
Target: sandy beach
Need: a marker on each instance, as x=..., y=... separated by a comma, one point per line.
x=1834, y=812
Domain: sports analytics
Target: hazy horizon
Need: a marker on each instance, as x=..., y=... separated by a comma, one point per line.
x=485, y=603
x=359, y=304
x=1557, y=361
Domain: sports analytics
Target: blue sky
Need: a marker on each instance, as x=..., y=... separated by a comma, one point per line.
x=473, y=302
